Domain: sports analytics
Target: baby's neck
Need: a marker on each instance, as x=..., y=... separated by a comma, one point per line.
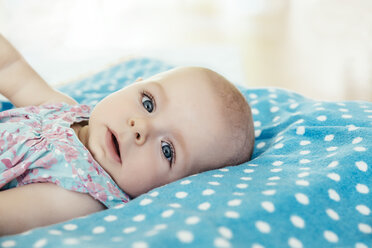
x=81, y=130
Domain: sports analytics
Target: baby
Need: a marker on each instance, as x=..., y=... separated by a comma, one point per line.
x=153, y=132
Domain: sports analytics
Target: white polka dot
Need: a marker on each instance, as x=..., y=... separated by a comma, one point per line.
x=204, y=206
x=261, y=145
x=269, y=192
x=208, y=192
x=225, y=232
x=277, y=163
x=299, y=121
x=255, y=111
x=300, y=130
x=256, y=245
x=70, y=227
x=276, y=170
x=304, y=152
x=119, y=206
x=331, y=148
x=321, y=118
x=218, y=175
x=365, y=228
x=330, y=236
x=140, y=244
x=167, y=213
x=257, y=133
x=279, y=146
x=145, y=201
x=257, y=124
x=129, y=229
x=40, y=243
x=363, y=209
x=268, y=206
x=154, y=194
x=185, y=236
x=360, y=149
x=333, y=195
x=214, y=183
x=302, y=183
x=139, y=218
x=360, y=245
x=116, y=239
x=352, y=128
x=55, y=232
x=185, y=182
x=71, y=241
x=234, y=203
x=302, y=198
x=262, y=226
x=248, y=170
x=303, y=174
x=278, y=139
x=357, y=140
x=160, y=227
x=346, y=116
x=334, y=176
x=333, y=164
x=99, y=229
x=293, y=105
x=242, y=185
x=8, y=243
x=110, y=218
x=277, y=118
x=362, y=165
x=271, y=184
x=297, y=221
x=246, y=178
x=181, y=194
x=331, y=155
x=305, y=142
x=252, y=95
x=329, y=137
x=361, y=188
x=232, y=214
x=273, y=178
x=192, y=220
x=174, y=205
x=332, y=214
x=221, y=243
x=294, y=243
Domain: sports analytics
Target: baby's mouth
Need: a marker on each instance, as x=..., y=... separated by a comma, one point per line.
x=116, y=145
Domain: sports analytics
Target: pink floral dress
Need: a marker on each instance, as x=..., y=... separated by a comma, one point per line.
x=38, y=145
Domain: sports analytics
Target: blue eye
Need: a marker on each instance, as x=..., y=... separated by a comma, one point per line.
x=167, y=150
x=147, y=103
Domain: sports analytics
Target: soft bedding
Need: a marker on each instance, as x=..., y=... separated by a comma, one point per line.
x=308, y=185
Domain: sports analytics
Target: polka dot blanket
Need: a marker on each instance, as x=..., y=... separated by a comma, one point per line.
x=308, y=185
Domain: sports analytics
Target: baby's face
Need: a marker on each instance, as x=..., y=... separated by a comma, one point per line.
x=157, y=130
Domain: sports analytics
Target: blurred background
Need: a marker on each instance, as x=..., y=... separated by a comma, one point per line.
x=319, y=48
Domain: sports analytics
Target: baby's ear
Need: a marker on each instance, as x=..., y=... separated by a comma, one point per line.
x=138, y=79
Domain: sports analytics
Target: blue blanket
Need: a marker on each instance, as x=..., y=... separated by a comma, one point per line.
x=309, y=183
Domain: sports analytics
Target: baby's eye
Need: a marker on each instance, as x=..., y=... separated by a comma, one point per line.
x=167, y=150
x=147, y=103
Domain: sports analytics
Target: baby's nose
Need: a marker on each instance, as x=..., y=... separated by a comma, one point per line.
x=140, y=129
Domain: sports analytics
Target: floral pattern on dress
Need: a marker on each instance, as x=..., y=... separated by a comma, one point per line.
x=38, y=145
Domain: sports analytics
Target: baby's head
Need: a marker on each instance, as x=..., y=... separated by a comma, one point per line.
x=169, y=126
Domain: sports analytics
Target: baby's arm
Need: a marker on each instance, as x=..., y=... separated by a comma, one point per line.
x=21, y=84
x=41, y=204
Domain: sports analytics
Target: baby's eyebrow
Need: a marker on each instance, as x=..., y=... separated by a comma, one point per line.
x=180, y=140
x=160, y=90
